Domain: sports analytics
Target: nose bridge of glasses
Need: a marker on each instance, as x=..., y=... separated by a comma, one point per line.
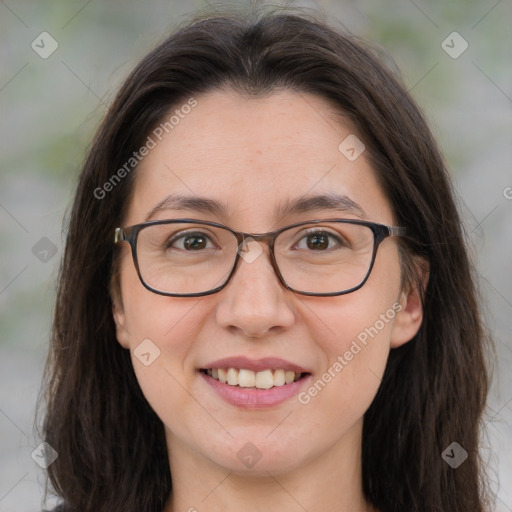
x=252, y=248
x=251, y=245
x=259, y=237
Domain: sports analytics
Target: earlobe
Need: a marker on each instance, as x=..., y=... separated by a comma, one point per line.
x=122, y=334
x=410, y=317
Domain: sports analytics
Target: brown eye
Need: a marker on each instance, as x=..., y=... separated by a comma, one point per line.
x=191, y=242
x=319, y=241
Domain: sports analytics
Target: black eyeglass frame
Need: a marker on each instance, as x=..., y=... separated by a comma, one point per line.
x=380, y=232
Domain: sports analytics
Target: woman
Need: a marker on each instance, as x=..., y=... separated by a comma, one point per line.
x=265, y=301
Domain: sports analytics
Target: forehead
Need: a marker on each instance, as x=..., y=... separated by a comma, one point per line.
x=255, y=156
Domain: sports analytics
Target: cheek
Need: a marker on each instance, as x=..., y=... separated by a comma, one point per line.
x=165, y=328
x=338, y=397
x=355, y=360
x=168, y=331
x=167, y=321
x=161, y=334
x=354, y=333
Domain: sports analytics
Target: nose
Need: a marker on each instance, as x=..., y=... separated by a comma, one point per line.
x=255, y=302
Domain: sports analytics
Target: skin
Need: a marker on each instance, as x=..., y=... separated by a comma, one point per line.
x=253, y=154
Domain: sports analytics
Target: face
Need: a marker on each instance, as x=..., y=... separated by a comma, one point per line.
x=254, y=155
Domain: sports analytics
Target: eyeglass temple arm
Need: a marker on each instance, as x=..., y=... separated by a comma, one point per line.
x=119, y=235
x=397, y=231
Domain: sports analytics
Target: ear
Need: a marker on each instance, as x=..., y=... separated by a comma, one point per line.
x=118, y=313
x=408, y=320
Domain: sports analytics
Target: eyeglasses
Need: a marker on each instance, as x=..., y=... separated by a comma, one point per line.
x=191, y=258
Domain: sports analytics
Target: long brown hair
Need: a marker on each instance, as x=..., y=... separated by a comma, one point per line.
x=111, y=444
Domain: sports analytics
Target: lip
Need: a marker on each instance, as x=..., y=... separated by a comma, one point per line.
x=251, y=398
x=256, y=365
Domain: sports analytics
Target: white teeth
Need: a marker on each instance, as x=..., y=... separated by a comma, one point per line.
x=232, y=377
x=244, y=378
x=279, y=378
x=289, y=377
x=264, y=379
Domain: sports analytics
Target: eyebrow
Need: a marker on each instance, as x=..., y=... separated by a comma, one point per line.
x=304, y=204
x=328, y=201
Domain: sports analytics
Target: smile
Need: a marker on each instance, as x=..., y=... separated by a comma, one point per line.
x=244, y=378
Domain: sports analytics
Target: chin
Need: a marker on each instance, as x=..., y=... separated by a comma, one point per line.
x=257, y=456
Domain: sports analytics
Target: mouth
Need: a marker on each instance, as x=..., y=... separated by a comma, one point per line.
x=254, y=383
x=249, y=383
x=249, y=379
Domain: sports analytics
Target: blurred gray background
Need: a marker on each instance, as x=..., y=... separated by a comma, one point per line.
x=51, y=103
